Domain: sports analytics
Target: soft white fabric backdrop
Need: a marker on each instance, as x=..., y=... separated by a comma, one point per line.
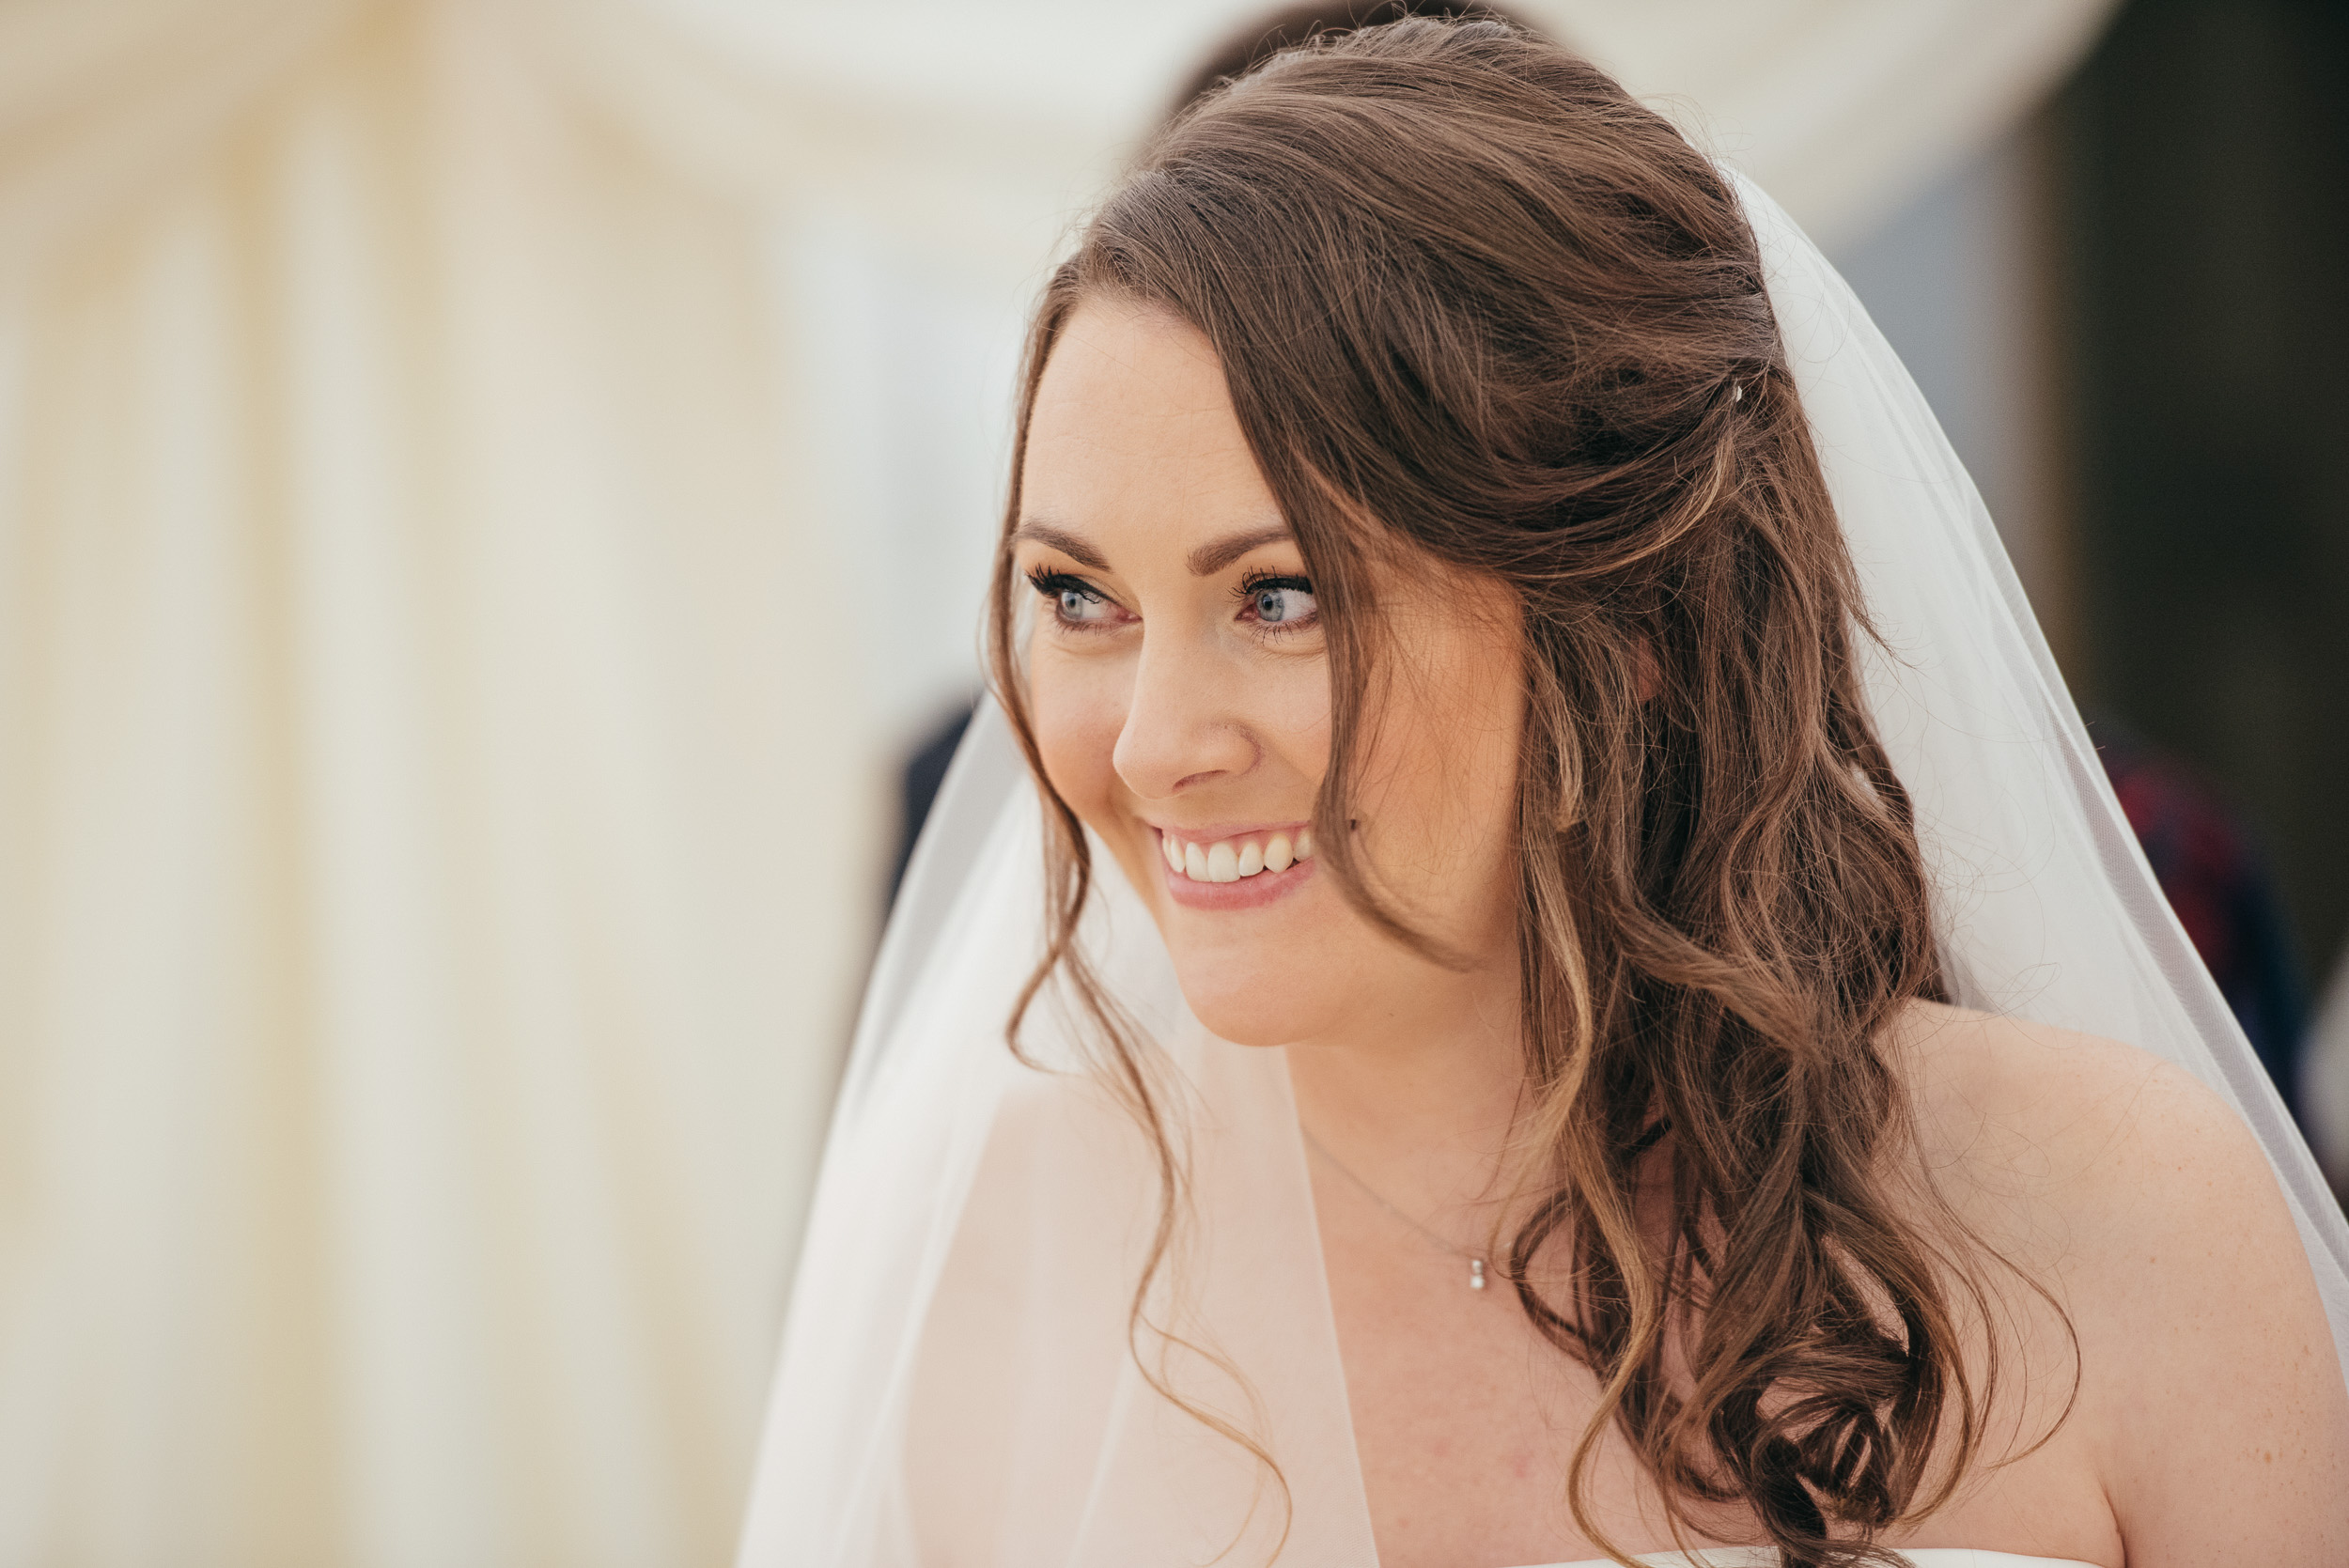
x=484, y=489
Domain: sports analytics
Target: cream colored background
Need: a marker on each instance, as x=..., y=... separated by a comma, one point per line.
x=485, y=489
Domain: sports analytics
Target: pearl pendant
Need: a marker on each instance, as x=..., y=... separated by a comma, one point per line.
x=1476, y=1274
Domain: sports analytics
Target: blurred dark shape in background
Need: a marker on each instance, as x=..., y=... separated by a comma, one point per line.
x=918, y=784
x=2211, y=870
x=2200, y=205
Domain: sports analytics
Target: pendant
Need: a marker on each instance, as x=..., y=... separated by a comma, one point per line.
x=1476, y=1274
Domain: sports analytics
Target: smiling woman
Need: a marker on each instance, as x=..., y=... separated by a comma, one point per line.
x=1178, y=681
x=1423, y=583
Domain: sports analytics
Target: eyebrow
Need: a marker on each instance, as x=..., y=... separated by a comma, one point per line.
x=1205, y=561
x=1068, y=544
x=1213, y=557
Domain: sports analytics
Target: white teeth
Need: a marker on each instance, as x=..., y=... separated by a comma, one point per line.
x=1233, y=859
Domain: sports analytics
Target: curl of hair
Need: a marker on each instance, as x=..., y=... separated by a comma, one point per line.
x=1472, y=299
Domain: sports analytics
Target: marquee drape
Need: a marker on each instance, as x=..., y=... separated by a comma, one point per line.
x=484, y=486
x=438, y=834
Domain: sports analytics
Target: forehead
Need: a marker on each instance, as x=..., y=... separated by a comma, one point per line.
x=1133, y=436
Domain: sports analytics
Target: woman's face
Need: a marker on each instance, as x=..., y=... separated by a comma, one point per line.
x=1180, y=687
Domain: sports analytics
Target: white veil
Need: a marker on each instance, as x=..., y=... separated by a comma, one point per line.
x=958, y=1382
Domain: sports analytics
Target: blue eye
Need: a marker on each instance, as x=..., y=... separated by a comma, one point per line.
x=1279, y=602
x=1075, y=601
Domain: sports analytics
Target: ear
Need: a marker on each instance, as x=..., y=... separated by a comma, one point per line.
x=1646, y=670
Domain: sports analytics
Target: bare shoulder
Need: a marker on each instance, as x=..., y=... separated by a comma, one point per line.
x=2062, y=1117
x=2089, y=1157
x=2209, y=1392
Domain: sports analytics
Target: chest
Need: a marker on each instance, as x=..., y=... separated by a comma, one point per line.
x=1466, y=1421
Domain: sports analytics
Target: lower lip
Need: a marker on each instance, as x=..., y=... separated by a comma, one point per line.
x=1249, y=893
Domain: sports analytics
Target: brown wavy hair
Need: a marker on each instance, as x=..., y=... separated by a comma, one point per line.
x=1474, y=301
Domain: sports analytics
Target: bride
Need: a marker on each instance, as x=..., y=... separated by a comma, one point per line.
x=1562, y=1001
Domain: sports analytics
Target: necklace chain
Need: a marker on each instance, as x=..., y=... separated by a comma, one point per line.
x=1475, y=1261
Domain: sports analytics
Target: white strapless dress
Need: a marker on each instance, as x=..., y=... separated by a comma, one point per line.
x=1766, y=1556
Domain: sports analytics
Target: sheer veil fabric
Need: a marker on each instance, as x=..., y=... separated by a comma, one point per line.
x=959, y=1383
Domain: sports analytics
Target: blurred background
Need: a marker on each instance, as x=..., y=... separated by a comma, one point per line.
x=495, y=499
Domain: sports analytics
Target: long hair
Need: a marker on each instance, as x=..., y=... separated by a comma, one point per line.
x=1470, y=299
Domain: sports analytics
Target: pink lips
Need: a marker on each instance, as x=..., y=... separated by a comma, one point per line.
x=1249, y=893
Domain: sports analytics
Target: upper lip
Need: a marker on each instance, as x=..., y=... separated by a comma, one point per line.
x=1216, y=833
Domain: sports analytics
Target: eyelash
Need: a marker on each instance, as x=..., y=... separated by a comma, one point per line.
x=1256, y=583
x=1050, y=585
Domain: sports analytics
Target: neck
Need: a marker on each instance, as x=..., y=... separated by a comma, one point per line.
x=1421, y=1109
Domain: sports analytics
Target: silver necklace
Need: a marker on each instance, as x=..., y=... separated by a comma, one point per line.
x=1475, y=1263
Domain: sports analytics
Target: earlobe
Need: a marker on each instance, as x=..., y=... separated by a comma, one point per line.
x=1647, y=674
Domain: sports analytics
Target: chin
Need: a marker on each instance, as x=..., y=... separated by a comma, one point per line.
x=1251, y=1009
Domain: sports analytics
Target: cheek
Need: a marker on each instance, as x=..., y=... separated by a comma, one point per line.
x=1440, y=788
x=1292, y=719
x=1079, y=707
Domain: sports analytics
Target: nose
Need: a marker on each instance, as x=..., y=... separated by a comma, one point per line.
x=1184, y=726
